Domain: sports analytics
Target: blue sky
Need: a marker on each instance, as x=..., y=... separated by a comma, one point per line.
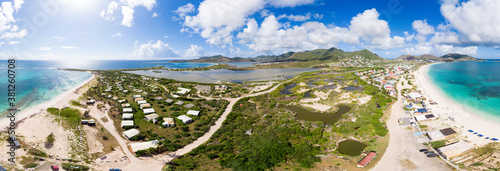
x=184, y=29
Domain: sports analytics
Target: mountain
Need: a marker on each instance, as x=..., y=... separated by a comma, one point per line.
x=458, y=57
x=332, y=54
x=411, y=57
x=217, y=58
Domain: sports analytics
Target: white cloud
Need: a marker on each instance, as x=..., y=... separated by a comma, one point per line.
x=292, y=17
x=127, y=7
x=117, y=34
x=68, y=47
x=439, y=50
x=184, y=10
x=289, y=3
x=422, y=27
x=154, y=15
x=217, y=19
x=13, y=42
x=128, y=16
x=151, y=50
x=8, y=28
x=149, y=4
x=477, y=20
x=108, y=13
x=276, y=37
x=194, y=52
x=44, y=48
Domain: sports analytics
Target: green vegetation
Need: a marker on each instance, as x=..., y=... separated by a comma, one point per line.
x=437, y=144
x=74, y=167
x=31, y=165
x=69, y=116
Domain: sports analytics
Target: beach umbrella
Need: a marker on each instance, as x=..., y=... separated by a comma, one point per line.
x=475, y=132
x=487, y=137
x=480, y=135
x=470, y=130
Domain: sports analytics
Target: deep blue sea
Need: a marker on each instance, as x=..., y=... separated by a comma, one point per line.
x=40, y=81
x=474, y=84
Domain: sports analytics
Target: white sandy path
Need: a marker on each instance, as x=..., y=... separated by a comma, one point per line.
x=58, y=102
x=464, y=116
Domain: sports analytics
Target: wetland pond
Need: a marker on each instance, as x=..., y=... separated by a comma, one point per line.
x=327, y=118
x=351, y=147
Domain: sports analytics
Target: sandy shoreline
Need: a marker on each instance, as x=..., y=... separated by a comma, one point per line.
x=60, y=101
x=465, y=117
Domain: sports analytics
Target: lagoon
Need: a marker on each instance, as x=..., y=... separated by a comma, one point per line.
x=236, y=76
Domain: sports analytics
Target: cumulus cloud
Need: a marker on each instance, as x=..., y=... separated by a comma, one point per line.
x=108, y=13
x=8, y=28
x=304, y=17
x=127, y=10
x=439, y=49
x=217, y=19
x=184, y=10
x=152, y=50
x=128, y=16
x=477, y=20
x=44, y=48
x=154, y=15
x=422, y=27
x=273, y=36
x=194, y=52
x=289, y=3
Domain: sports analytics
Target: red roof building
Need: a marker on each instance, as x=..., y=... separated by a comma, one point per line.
x=367, y=159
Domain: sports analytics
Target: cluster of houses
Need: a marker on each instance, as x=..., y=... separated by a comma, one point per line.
x=358, y=61
x=384, y=78
x=418, y=106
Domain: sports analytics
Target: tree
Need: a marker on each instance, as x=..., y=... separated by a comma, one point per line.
x=50, y=140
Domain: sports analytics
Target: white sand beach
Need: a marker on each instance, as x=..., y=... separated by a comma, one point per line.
x=465, y=117
x=60, y=101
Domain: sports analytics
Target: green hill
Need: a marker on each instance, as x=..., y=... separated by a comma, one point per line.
x=458, y=57
x=332, y=54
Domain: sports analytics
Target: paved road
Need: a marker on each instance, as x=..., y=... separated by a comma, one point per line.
x=403, y=145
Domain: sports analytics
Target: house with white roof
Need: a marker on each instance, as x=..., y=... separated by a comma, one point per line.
x=128, y=110
x=134, y=147
x=126, y=116
x=127, y=123
x=168, y=122
x=130, y=133
x=193, y=112
x=148, y=110
x=183, y=90
x=185, y=119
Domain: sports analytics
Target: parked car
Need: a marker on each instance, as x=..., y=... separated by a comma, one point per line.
x=423, y=150
x=54, y=167
x=432, y=155
x=429, y=152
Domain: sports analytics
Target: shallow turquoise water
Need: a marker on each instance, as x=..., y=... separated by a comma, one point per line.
x=40, y=81
x=473, y=84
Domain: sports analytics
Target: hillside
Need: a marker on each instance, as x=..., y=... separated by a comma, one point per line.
x=458, y=57
x=412, y=57
x=332, y=54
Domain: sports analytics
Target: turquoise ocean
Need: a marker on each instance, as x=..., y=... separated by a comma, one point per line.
x=473, y=84
x=40, y=81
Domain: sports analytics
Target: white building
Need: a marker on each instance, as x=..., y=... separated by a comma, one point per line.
x=455, y=149
x=151, y=117
x=193, y=112
x=185, y=119
x=168, y=122
x=130, y=133
x=148, y=111
x=127, y=123
x=134, y=147
x=137, y=96
x=127, y=116
x=127, y=110
x=183, y=90
x=142, y=102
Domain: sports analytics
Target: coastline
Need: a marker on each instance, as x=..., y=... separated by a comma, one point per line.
x=59, y=101
x=466, y=118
